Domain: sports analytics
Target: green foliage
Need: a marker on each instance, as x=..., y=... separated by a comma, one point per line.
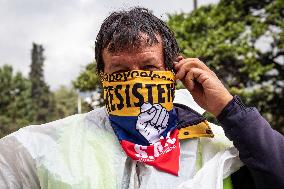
x=43, y=101
x=66, y=102
x=16, y=108
x=89, y=80
x=229, y=37
x=28, y=101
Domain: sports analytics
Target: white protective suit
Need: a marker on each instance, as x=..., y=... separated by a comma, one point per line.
x=82, y=152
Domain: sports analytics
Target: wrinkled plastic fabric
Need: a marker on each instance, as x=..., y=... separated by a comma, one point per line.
x=219, y=158
x=82, y=151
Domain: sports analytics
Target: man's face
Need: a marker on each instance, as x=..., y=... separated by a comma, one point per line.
x=145, y=58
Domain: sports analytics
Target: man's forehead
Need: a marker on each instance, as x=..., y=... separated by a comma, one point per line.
x=142, y=42
x=130, y=58
x=138, y=55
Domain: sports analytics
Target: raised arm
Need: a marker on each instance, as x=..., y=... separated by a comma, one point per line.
x=261, y=148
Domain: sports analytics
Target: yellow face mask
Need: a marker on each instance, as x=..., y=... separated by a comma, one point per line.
x=126, y=92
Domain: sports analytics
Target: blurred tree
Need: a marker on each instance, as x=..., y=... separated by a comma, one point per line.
x=89, y=80
x=43, y=100
x=16, y=108
x=66, y=102
x=243, y=42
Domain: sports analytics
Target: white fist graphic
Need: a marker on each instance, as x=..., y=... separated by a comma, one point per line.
x=152, y=121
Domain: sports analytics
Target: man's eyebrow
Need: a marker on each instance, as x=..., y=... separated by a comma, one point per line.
x=149, y=60
x=115, y=65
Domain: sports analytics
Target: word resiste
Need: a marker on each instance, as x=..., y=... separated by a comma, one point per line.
x=119, y=96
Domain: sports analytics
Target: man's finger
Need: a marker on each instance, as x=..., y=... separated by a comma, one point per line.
x=187, y=64
x=184, y=67
x=196, y=75
x=199, y=63
x=179, y=58
x=200, y=75
x=189, y=80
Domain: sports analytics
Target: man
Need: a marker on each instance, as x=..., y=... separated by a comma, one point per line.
x=141, y=139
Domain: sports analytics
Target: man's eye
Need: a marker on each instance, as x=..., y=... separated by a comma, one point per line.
x=150, y=67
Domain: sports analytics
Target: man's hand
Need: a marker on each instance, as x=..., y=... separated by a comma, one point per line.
x=203, y=84
x=152, y=121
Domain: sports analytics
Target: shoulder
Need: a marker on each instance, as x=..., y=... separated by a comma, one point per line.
x=219, y=143
x=33, y=137
x=219, y=140
x=96, y=118
x=39, y=152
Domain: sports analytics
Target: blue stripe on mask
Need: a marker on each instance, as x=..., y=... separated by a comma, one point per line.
x=125, y=128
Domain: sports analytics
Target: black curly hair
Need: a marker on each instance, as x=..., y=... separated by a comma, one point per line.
x=122, y=30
